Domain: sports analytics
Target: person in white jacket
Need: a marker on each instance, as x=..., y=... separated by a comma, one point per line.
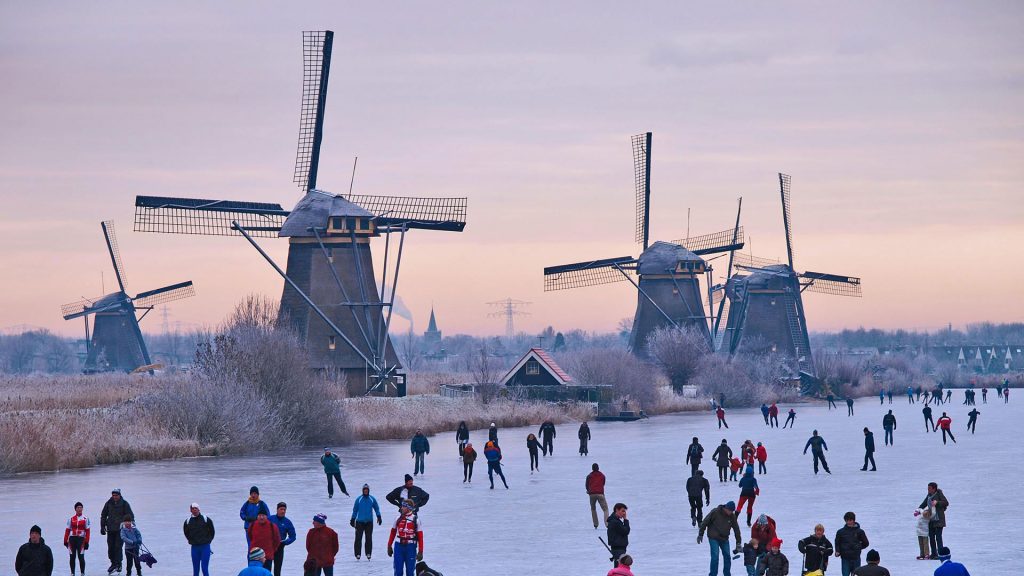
x=924, y=515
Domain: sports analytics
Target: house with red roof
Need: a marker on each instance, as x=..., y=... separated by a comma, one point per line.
x=537, y=376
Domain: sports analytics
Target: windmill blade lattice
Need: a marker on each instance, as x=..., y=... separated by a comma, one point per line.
x=593, y=273
x=724, y=241
x=316, y=68
x=165, y=294
x=115, y=252
x=831, y=284
x=207, y=217
x=742, y=260
x=415, y=212
x=787, y=214
x=77, y=308
x=642, y=181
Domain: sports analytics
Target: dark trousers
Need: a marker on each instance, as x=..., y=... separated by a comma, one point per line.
x=765, y=414
x=418, y=466
x=549, y=445
x=888, y=436
x=278, y=560
x=534, y=461
x=774, y=419
x=462, y=448
x=495, y=468
x=114, y=546
x=849, y=410
x=971, y=423
x=583, y=447
x=910, y=398
x=761, y=468
x=950, y=432
x=722, y=422
x=790, y=420
x=929, y=424
x=616, y=554
x=364, y=529
x=696, y=509
x=831, y=404
x=723, y=473
x=869, y=457
x=467, y=471
x=694, y=466
x=336, y=476
x=934, y=538
x=75, y=544
x=819, y=457
x=132, y=556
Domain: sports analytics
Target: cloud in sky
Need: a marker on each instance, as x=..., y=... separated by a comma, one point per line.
x=902, y=125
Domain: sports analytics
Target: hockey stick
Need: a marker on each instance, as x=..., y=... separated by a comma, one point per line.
x=607, y=547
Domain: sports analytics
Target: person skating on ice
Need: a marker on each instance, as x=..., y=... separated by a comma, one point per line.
x=869, y=450
x=818, y=448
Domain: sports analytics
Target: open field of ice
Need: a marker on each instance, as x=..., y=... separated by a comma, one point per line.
x=542, y=524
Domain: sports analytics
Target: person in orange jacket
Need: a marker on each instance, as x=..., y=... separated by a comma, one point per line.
x=734, y=467
x=762, y=457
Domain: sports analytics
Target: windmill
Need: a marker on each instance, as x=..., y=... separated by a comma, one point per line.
x=330, y=295
x=666, y=275
x=767, y=302
x=116, y=342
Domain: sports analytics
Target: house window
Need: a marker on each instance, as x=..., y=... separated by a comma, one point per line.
x=532, y=368
x=364, y=224
x=330, y=343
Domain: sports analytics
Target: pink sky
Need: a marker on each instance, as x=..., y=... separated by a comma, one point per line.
x=901, y=125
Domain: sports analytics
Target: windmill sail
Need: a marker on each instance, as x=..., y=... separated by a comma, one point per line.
x=830, y=284
x=446, y=214
x=115, y=252
x=207, y=217
x=642, y=182
x=592, y=273
x=163, y=295
x=716, y=242
x=316, y=69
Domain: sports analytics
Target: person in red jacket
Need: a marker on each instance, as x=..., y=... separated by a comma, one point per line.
x=764, y=529
x=944, y=424
x=264, y=534
x=595, y=489
x=773, y=415
x=408, y=550
x=762, y=457
x=721, y=417
x=321, y=547
x=76, y=538
x=734, y=467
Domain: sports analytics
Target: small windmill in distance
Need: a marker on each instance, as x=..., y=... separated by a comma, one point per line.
x=509, y=309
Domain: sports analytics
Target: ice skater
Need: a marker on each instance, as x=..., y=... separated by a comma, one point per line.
x=831, y=401
x=791, y=419
x=584, y=436
x=717, y=524
x=462, y=437
x=332, y=468
x=749, y=490
x=547, y=434
x=721, y=417
x=694, y=454
x=818, y=448
x=695, y=486
x=493, y=455
x=762, y=456
x=928, y=422
x=849, y=406
x=889, y=424
x=533, y=446
x=910, y=395
x=972, y=419
x=722, y=457
x=764, y=412
x=773, y=415
x=944, y=424
x=869, y=450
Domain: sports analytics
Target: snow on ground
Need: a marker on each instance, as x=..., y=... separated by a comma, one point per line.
x=542, y=524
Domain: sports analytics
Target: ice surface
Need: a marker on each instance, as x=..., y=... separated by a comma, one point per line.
x=542, y=524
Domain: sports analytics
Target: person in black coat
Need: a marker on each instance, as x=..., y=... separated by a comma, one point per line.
x=462, y=437
x=199, y=533
x=869, y=450
x=850, y=541
x=618, y=532
x=584, y=436
x=695, y=486
x=816, y=550
x=114, y=511
x=34, y=557
x=694, y=454
x=492, y=433
x=721, y=457
x=889, y=424
x=408, y=491
x=547, y=435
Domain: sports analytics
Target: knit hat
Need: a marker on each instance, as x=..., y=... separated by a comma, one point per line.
x=408, y=477
x=873, y=555
x=116, y=491
x=194, y=505
x=321, y=518
x=366, y=486
x=944, y=553
x=776, y=543
x=326, y=449
x=254, y=490
x=730, y=506
x=762, y=520
x=36, y=529
x=493, y=425
x=256, y=554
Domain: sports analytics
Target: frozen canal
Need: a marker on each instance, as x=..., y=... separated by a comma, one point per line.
x=542, y=524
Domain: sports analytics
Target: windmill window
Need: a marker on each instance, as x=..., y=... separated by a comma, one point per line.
x=364, y=224
x=532, y=368
x=330, y=343
x=350, y=223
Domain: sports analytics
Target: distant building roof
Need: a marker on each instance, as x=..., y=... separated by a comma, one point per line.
x=546, y=362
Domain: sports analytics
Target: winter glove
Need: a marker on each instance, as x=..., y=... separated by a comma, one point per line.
x=700, y=539
x=352, y=522
x=390, y=552
x=86, y=546
x=379, y=521
x=103, y=530
x=419, y=556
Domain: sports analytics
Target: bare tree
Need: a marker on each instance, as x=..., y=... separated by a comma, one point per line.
x=678, y=352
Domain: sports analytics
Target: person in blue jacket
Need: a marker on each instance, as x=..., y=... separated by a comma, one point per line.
x=948, y=567
x=419, y=447
x=255, y=567
x=287, y=531
x=332, y=467
x=363, y=511
x=493, y=454
x=251, y=508
x=749, y=492
x=764, y=412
